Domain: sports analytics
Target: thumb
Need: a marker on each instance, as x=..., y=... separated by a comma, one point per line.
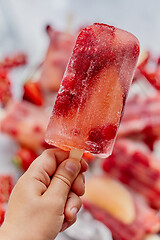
x=62, y=181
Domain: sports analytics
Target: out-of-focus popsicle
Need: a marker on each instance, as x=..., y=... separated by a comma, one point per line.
x=124, y=212
x=26, y=123
x=57, y=56
x=141, y=120
x=90, y=102
x=135, y=165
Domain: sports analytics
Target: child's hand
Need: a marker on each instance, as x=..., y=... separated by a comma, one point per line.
x=41, y=207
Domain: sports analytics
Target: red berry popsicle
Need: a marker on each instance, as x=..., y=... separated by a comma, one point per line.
x=90, y=102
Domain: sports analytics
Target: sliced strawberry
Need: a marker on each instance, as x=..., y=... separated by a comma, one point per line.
x=23, y=158
x=6, y=186
x=32, y=93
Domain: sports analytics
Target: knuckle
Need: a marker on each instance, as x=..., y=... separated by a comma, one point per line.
x=48, y=152
x=21, y=182
x=64, y=179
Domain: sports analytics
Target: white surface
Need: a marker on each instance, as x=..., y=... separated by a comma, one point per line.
x=26, y=19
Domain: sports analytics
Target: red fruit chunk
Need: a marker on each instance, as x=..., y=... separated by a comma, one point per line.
x=68, y=82
x=5, y=88
x=109, y=132
x=33, y=93
x=64, y=102
x=98, y=137
x=104, y=133
x=14, y=60
x=23, y=158
x=6, y=186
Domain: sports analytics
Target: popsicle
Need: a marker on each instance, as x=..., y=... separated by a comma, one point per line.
x=123, y=211
x=26, y=123
x=56, y=59
x=135, y=165
x=141, y=119
x=90, y=102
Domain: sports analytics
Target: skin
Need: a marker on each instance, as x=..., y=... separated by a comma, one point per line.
x=46, y=198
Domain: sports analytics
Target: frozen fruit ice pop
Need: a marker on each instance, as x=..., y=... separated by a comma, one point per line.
x=135, y=165
x=141, y=120
x=26, y=123
x=90, y=102
x=55, y=62
x=123, y=211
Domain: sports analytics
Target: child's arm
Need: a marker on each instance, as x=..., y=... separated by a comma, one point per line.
x=39, y=208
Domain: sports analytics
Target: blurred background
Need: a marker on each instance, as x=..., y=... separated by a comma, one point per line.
x=27, y=49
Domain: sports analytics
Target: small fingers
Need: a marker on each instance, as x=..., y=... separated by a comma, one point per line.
x=84, y=165
x=72, y=207
x=78, y=186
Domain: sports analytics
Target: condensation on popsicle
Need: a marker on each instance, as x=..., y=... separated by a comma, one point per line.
x=90, y=102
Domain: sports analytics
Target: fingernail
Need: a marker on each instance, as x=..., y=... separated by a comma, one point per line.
x=64, y=226
x=71, y=167
x=74, y=211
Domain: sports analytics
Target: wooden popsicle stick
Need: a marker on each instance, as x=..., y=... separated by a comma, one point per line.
x=76, y=153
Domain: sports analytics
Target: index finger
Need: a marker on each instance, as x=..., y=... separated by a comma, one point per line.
x=45, y=165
